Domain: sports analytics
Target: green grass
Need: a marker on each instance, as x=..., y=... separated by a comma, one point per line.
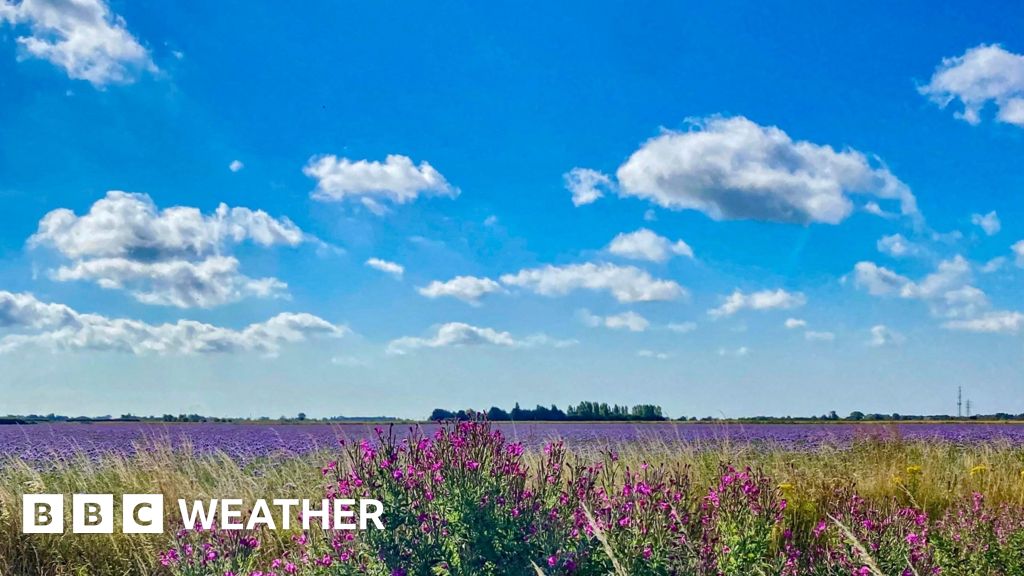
x=929, y=475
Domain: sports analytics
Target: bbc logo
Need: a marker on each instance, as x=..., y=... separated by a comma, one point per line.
x=92, y=513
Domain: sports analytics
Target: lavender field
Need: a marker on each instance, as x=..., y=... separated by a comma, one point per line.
x=243, y=442
x=497, y=498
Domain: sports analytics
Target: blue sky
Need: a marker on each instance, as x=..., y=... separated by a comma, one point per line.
x=725, y=210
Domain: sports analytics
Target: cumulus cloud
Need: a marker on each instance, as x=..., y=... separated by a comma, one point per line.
x=989, y=223
x=460, y=334
x=586, y=185
x=763, y=300
x=130, y=225
x=646, y=245
x=653, y=354
x=236, y=165
x=882, y=335
x=734, y=169
x=396, y=180
x=950, y=275
x=59, y=327
x=181, y=283
x=982, y=75
x=396, y=270
x=625, y=283
x=898, y=246
x=625, y=321
x=947, y=291
x=878, y=280
x=83, y=37
x=469, y=289
x=998, y=321
x=177, y=256
x=792, y=323
x=1018, y=250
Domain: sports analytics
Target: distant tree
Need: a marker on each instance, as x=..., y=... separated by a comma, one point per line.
x=496, y=414
x=302, y=416
x=856, y=415
x=441, y=414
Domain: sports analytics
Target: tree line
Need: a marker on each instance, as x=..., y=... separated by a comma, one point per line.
x=584, y=411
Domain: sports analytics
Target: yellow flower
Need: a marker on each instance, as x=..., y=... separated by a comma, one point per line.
x=897, y=479
x=979, y=469
x=785, y=486
x=913, y=469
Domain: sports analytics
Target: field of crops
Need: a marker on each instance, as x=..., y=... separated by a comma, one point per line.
x=586, y=499
x=244, y=442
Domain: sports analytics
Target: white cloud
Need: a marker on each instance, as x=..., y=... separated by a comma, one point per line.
x=998, y=321
x=792, y=323
x=459, y=334
x=469, y=289
x=646, y=245
x=878, y=280
x=625, y=321
x=733, y=169
x=59, y=327
x=989, y=223
x=812, y=336
x=396, y=179
x=763, y=300
x=681, y=327
x=181, y=283
x=1018, y=249
x=898, y=246
x=882, y=335
x=129, y=225
x=983, y=74
x=625, y=283
x=236, y=165
x=25, y=311
x=491, y=220
x=653, y=354
x=947, y=290
x=396, y=270
x=586, y=185
x=83, y=37
x=993, y=265
x=650, y=215
x=951, y=274
x=963, y=302
x=873, y=208
x=177, y=256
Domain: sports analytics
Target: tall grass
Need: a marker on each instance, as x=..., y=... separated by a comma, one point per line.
x=931, y=476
